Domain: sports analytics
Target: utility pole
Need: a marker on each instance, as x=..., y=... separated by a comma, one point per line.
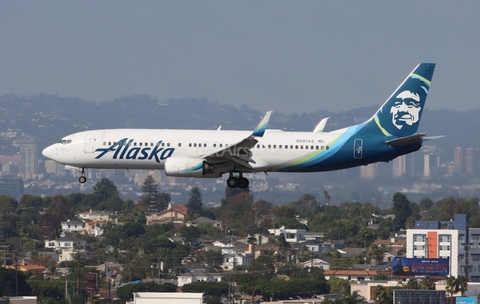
x=252, y=241
x=4, y=254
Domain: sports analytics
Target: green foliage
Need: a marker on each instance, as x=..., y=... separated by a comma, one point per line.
x=105, y=189
x=239, y=214
x=401, y=209
x=195, y=204
x=8, y=283
x=339, y=286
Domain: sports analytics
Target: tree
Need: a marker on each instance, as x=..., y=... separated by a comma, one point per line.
x=412, y=283
x=195, y=204
x=8, y=283
x=401, y=210
x=150, y=189
x=105, y=189
x=339, y=286
x=462, y=284
x=190, y=237
x=427, y=283
x=380, y=295
x=451, y=287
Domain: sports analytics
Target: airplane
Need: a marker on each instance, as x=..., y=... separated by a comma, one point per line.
x=389, y=133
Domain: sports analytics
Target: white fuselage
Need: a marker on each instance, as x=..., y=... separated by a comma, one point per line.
x=149, y=148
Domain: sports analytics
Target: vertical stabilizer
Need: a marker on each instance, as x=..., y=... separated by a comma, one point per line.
x=400, y=114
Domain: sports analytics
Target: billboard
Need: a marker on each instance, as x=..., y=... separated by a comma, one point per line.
x=466, y=300
x=420, y=266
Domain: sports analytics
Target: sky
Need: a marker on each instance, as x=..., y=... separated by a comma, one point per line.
x=286, y=56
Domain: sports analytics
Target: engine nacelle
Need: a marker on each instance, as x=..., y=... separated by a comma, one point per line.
x=189, y=167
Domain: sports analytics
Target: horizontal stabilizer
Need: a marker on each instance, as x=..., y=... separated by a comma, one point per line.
x=407, y=140
x=433, y=137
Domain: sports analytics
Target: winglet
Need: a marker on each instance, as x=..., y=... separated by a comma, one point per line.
x=321, y=125
x=262, y=125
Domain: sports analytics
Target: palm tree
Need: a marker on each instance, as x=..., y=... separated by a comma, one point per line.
x=452, y=286
x=412, y=283
x=427, y=283
x=380, y=295
x=462, y=284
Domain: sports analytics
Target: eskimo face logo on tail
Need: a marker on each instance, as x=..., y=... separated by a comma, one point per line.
x=123, y=150
x=406, y=110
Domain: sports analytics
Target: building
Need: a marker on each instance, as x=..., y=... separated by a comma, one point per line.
x=28, y=166
x=291, y=235
x=72, y=226
x=12, y=187
x=453, y=240
x=167, y=298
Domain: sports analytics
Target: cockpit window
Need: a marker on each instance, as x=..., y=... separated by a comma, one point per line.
x=65, y=141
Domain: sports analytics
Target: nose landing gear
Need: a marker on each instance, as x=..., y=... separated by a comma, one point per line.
x=240, y=181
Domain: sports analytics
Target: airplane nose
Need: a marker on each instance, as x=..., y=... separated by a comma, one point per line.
x=49, y=152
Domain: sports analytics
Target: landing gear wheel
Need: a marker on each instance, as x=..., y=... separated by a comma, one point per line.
x=232, y=182
x=82, y=179
x=243, y=182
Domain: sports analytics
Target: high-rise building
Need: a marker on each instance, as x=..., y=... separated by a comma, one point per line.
x=28, y=165
x=452, y=239
x=458, y=160
x=471, y=160
x=12, y=187
x=368, y=171
x=399, y=166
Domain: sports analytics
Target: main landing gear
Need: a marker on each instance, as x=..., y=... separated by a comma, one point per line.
x=240, y=181
x=82, y=179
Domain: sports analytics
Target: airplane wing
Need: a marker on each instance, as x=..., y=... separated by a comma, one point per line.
x=240, y=152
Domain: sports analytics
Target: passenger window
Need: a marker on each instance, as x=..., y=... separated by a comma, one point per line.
x=321, y=147
x=214, y=145
x=195, y=145
x=134, y=144
x=140, y=144
x=316, y=147
x=151, y=144
x=279, y=146
x=104, y=143
x=328, y=147
x=179, y=144
x=158, y=144
x=109, y=143
x=221, y=145
x=291, y=146
x=168, y=144
x=296, y=147
x=205, y=145
x=274, y=146
x=269, y=146
x=306, y=147
x=190, y=145
x=301, y=147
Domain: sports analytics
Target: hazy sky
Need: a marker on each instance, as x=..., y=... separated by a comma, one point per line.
x=287, y=56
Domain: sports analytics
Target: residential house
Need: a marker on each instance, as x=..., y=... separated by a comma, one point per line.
x=351, y=274
x=67, y=247
x=291, y=235
x=176, y=214
x=198, y=275
x=94, y=216
x=72, y=226
x=319, y=263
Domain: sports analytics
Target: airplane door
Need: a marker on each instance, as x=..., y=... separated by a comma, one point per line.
x=89, y=139
x=357, y=148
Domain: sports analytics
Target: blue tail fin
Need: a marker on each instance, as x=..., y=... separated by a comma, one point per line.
x=400, y=114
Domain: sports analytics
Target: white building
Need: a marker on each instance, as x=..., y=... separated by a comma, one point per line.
x=198, y=276
x=447, y=240
x=72, y=226
x=167, y=298
x=291, y=235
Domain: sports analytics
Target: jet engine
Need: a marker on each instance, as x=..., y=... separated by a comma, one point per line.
x=189, y=167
